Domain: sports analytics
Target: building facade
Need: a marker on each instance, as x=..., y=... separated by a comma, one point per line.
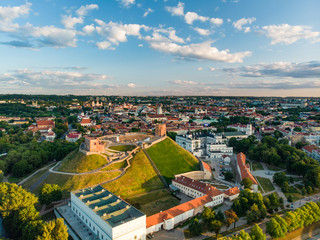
x=208, y=145
x=108, y=216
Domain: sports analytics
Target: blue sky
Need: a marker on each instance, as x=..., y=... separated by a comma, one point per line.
x=160, y=47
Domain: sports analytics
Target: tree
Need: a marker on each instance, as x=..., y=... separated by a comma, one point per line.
x=283, y=223
x=290, y=198
x=230, y=214
x=285, y=187
x=195, y=227
x=219, y=216
x=54, y=230
x=50, y=193
x=254, y=215
x=246, y=182
x=228, y=176
x=208, y=216
x=215, y=226
x=256, y=233
x=274, y=229
x=303, y=191
x=309, y=190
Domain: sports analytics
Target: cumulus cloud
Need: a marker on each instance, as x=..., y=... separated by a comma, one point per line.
x=104, y=45
x=147, y=12
x=202, y=32
x=88, y=29
x=126, y=3
x=9, y=14
x=278, y=69
x=242, y=23
x=117, y=32
x=216, y=21
x=69, y=21
x=199, y=51
x=131, y=85
x=200, y=68
x=164, y=35
x=176, y=11
x=54, y=80
x=284, y=33
x=190, y=17
x=212, y=69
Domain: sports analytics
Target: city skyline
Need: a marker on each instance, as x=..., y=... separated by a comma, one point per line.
x=163, y=47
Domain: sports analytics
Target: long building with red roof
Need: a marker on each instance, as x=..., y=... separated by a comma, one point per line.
x=244, y=170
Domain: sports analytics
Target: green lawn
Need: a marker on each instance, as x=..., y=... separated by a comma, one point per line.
x=78, y=162
x=256, y=166
x=115, y=166
x=123, y=148
x=171, y=159
x=154, y=202
x=296, y=195
x=140, y=178
x=266, y=184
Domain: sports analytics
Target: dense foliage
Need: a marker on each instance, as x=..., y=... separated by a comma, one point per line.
x=22, y=221
x=50, y=193
x=26, y=154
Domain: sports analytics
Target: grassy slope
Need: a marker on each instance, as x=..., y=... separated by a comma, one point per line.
x=115, y=166
x=139, y=178
x=172, y=159
x=123, y=148
x=266, y=184
x=69, y=183
x=77, y=162
x=154, y=202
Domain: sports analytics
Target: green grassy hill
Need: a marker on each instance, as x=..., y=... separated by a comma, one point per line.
x=171, y=159
x=77, y=162
x=140, y=178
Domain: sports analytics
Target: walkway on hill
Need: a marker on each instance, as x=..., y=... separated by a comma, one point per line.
x=156, y=169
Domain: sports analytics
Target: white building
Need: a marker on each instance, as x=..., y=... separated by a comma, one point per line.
x=209, y=145
x=73, y=137
x=247, y=129
x=106, y=215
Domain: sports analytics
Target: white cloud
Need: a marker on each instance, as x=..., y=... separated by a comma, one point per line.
x=88, y=29
x=69, y=21
x=131, y=85
x=126, y=3
x=202, y=32
x=176, y=11
x=174, y=37
x=190, y=17
x=212, y=69
x=216, y=21
x=199, y=51
x=83, y=10
x=140, y=45
x=146, y=13
x=8, y=14
x=200, y=68
x=278, y=69
x=104, y=45
x=117, y=32
x=53, y=80
x=183, y=82
x=287, y=34
x=239, y=24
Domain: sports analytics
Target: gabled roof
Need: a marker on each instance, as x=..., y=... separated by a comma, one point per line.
x=199, y=186
x=206, y=166
x=232, y=191
x=244, y=170
x=176, y=211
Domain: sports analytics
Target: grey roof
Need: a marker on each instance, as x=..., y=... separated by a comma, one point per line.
x=106, y=205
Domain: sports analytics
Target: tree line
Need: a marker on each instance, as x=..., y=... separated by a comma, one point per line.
x=21, y=220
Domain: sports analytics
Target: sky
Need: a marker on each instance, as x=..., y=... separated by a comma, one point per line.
x=160, y=47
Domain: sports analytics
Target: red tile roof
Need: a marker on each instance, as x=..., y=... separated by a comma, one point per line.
x=199, y=186
x=244, y=170
x=232, y=191
x=45, y=123
x=176, y=211
x=309, y=148
x=85, y=120
x=206, y=166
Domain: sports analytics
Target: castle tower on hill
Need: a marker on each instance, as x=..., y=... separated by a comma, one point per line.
x=94, y=144
x=161, y=130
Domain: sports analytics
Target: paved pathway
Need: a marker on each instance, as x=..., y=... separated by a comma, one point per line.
x=27, y=178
